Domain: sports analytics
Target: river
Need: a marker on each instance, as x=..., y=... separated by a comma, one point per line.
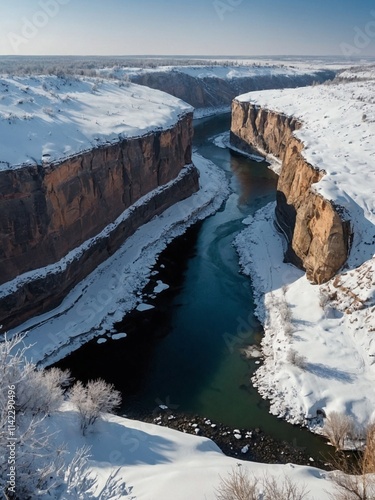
x=186, y=353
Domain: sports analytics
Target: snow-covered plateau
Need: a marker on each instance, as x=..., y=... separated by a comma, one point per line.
x=227, y=70
x=319, y=344
x=48, y=119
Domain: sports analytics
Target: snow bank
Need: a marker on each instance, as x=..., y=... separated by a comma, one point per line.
x=338, y=133
x=113, y=289
x=46, y=118
x=157, y=462
x=318, y=356
x=319, y=343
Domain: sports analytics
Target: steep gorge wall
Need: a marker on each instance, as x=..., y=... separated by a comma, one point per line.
x=317, y=235
x=49, y=210
x=214, y=92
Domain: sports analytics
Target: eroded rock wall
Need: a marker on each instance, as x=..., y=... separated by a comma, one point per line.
x=317, y=234
x=48, y=211
x=214, y=92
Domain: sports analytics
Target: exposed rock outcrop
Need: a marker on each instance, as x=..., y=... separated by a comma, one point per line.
x=317, y=233
x=49, y=210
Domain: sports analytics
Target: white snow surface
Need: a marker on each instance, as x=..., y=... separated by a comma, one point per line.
x=319, y=352
x=46, y=118
x=114, y=288
x=338, y=133
x=319, y=343
x=230, y=69
x=161, y=463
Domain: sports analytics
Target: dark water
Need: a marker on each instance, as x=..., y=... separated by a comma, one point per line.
x=186, y=352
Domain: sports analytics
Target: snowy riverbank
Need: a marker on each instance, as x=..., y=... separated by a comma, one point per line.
x=157, y=462
x=319, y=349
x=106, y=295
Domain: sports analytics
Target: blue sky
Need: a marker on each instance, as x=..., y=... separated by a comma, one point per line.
x=190, y=27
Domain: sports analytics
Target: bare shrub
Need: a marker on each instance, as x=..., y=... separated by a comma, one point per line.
x=355, y=479
x=92, y=400
x=37, y=391
x=296, y=359
x=337, y=428
x=352, y=482
x=237, y=486
x=287, y=490
x=324, y=299
x=285, y=312
x=369, y=453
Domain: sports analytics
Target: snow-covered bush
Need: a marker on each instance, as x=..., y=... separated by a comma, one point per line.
x=36, y=391
x=42, y=392
x=44, y=468
x=92, y=400
x=81, y=483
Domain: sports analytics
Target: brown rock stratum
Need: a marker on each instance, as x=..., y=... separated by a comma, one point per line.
x=318, y=236
x=49, y=210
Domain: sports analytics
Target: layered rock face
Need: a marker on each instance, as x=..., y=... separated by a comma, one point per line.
x=48, y=211
x=318, y=236
x=215, y=92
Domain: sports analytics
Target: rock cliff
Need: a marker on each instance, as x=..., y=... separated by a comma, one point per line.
x=215, y=92
x=50, y=210
x=317, y=232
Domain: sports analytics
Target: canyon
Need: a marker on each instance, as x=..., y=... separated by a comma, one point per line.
x=212, y=87
x=60, y=198
x=67, y=210
x=318, y=233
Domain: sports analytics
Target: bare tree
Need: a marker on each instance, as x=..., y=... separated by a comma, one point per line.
x=92, y=400
x=369, y=453
x=337, y=428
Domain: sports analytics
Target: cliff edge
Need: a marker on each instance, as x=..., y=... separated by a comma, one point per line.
x=318, y=235
x=318, y=344
x=83, y=165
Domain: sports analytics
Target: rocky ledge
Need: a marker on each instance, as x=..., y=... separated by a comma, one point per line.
x=318, y=233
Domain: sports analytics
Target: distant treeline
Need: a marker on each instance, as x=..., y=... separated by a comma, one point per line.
x=88, y=66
